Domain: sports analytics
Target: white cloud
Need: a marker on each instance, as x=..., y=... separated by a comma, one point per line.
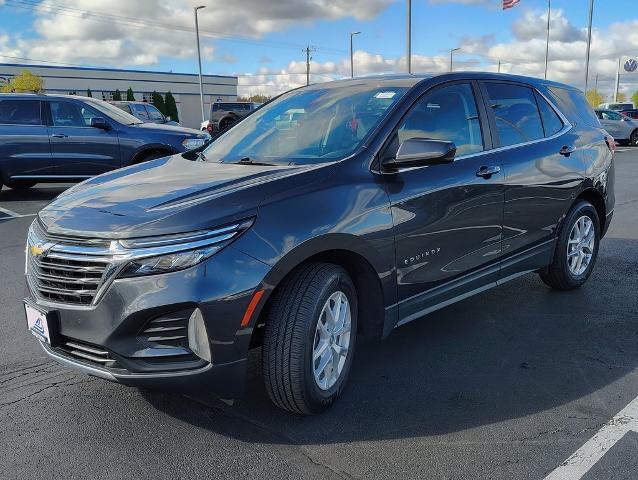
x=125, y=32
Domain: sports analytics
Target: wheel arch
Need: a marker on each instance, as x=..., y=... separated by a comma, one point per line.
x=146, y=150
x=365, y=275
x=594, y=197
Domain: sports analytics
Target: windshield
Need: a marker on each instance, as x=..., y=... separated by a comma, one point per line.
x=308, y=125
x=113, y=112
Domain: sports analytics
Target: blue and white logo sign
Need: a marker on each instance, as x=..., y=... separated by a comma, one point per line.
x=631, y=65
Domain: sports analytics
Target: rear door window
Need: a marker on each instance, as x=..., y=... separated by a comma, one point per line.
x=20, y=112
x=609, y=115
x=516, y=113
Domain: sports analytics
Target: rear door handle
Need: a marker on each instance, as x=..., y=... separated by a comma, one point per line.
x=567, y=150
x=59, y=135
x=487, y=171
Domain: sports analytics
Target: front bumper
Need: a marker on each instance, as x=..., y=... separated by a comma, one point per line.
x=220, y=287
x=225, y=380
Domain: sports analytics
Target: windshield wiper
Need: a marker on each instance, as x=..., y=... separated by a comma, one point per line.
x=201, y=157
x=250, y=161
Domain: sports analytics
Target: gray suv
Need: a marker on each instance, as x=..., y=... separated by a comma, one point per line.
x=621, y=127
x=225, y=114
x=60, y=138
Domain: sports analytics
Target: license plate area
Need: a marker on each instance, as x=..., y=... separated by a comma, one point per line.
x=40, y=323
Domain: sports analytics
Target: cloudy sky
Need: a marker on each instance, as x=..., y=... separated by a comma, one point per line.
x=262, y=40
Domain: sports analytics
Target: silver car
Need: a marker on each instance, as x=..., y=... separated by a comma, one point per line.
x=621, y=127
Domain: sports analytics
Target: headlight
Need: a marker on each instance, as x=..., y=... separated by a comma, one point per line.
x=169, y=253
x=167, y=263
x=192, y=143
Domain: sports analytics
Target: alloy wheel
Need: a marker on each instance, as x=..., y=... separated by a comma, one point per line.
x=332, y=340
x=580, y=246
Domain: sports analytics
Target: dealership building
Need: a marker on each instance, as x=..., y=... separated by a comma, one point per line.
x=104, y=81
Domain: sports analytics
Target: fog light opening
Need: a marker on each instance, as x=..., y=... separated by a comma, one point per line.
x=197, y=336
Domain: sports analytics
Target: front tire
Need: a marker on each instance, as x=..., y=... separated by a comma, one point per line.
x=633, y=138
x=310, y=337
x=576, y=250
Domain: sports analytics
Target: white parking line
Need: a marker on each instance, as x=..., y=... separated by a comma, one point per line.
x=586, y=456
x=13, y=214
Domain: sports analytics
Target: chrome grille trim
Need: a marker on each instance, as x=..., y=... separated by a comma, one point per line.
x=75, y=272
x=87, y=352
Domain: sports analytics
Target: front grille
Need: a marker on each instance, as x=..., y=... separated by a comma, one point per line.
x=168, y=330
x=86, y=352
x=65, y=270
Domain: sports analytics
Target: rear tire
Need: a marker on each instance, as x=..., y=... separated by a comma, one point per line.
x=576, y=250
x=19, y=184
x=301, y=337
x=225, y=124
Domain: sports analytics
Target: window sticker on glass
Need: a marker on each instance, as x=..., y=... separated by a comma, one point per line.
x=385, y=95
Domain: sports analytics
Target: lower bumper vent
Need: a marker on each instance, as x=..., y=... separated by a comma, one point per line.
x=87, y=353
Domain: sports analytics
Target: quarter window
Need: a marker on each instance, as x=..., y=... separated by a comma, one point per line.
x=552, y=124
x=447, y=113
x=516, y=113
x=20, y=112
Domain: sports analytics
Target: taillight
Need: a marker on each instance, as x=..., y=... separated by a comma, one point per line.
x=611, y=143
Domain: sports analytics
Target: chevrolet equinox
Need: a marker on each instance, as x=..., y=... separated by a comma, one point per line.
x=387, y=198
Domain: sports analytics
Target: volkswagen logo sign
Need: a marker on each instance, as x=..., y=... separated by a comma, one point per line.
x=631, y=65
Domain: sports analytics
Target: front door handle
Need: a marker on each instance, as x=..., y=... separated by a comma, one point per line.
x=59, y=135
x=487, y=171
x=567, y=150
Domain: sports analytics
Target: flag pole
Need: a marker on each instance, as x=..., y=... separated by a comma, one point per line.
x=591, y=14
x=549, y=13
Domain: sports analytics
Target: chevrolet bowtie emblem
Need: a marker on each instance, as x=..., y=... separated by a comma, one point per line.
x=37, y=250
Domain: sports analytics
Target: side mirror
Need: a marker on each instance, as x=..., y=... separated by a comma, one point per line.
x=417, y=152
x=99, y=122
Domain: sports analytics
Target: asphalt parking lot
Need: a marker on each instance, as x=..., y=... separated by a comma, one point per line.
x=507, y=384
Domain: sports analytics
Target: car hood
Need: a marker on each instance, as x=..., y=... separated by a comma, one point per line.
x=168, y=128
x=164, y=196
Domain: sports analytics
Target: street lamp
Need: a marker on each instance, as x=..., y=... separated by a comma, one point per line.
x=199, y=59
x=452, y=58
x=352, y=34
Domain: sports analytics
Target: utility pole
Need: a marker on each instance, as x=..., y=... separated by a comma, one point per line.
x=199, y=59
x=408, y=53
x=308, y=50
x=596, y=84
x=352, y=34
x=549, y=14
x=499, y=66
x=452, y=58
x=591, y=15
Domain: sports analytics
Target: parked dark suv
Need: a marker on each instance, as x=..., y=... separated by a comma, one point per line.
x=225, y=114
x=53, y=138
x=391, y=198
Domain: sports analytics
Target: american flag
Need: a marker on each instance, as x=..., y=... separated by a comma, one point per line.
x=509, y=3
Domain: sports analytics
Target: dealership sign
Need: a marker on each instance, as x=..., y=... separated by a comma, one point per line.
x=631, y=65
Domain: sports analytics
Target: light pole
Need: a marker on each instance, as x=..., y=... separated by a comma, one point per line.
x=352, y=34
x=199, y=59
x=408, y=53
x=452, y=58
x=549, y=13
x=591, y=14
